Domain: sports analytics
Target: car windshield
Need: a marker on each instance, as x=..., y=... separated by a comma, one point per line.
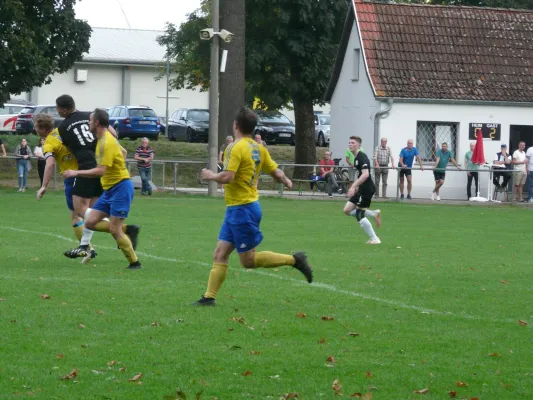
x=198, y=116
x=27, y=110
x=141, y=112
x=274, y=119
x=324, y=120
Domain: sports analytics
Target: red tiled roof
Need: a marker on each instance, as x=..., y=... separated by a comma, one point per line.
x=436, y=52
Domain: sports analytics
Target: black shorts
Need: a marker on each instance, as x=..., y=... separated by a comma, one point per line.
x=363, y=198
x=439, y=175
x=405, y=172
x=87, y=188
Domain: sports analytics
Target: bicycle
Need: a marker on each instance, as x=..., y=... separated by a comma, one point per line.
x=341, y=176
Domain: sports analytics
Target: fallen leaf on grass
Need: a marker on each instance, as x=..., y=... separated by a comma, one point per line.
x=45, y=297
x=474, y=398
x=288, y=396
x=365, y=396
x=180, y=395
x=505, y=385
x=60, y=356
x=421, y=391
x=35, y=259
x=240, y=320
x=494, y=354
x=325, y=318
x=100, y=312
x=337, y=387
x=72, y=375
x=154, y=324
x=330, y=359
x=452, y=393
x=462, y=384
x=256, y=353
x=368, y=374
x=81, y=326
x=274, y=377
x=136, y=377
x=122, y=369
x=246, y=373
x=301, y=315
x=354, y=334
x=522, y=322
x=504, y=281
x=111, y=363
x=1, y=299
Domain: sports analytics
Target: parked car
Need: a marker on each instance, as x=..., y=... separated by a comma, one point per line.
x=322, y=135
x=134, y=122
x=163, y=122
x=191, y=125
x=8, y=117
x=25, y=118
x=275, y=128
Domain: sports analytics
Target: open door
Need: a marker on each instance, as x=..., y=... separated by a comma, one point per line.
x=517, y=134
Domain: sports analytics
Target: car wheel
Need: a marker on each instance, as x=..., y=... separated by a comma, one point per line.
x=154, y=138
x=189, y=136
x=321, y=141
x=293, y=144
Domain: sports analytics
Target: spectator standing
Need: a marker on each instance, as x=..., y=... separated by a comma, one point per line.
x=529, y=170
x=471, y=173
x=3, y=148
x=407, y=157
x=23, y=154
x=144, y=155
x=41, y=162
x=382, y=155
x=443, y=156
x=229, y=140
x=520, y=173
x=327, y=173
x=259, y=140
x=503, y=158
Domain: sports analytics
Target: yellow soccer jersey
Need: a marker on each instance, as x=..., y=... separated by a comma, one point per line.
x=54, y=147
x=247, y=159
x=109, y=154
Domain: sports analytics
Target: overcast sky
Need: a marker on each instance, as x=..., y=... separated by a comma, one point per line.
x=150, y=14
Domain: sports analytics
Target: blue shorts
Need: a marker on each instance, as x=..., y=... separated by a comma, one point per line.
x=69, y=186
x=241, y=227
x=116, y=201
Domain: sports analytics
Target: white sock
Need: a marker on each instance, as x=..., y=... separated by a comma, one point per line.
x=367, y=227
x=87, y=212
x=371, y=213
x=86, y=237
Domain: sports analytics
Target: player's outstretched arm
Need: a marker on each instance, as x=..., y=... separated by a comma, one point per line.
x=48, y=171
x=97, y=172
x=280, y=176
x=223, y=177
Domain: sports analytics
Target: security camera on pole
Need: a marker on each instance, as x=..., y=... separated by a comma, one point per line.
x=214, y=34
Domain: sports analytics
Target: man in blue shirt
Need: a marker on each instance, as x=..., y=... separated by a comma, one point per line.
x=407, y=156
x=443, y=156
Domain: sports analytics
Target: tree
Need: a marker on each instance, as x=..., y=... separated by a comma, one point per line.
x=38, y=38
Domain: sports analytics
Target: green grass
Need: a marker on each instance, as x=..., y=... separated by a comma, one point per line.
x=443, y=292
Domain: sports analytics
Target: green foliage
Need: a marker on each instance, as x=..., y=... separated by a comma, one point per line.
x=38, y=38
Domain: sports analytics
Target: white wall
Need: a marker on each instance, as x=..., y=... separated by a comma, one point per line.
x=401, y=125
x=103, y=87
x=146, y=90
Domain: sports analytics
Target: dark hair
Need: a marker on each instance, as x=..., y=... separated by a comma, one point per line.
x=246, y=121
x=101, y=116
x=444, y=143
x=357, y=139
x=66, y=101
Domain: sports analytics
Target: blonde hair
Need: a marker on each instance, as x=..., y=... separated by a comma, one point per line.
x=45, y=121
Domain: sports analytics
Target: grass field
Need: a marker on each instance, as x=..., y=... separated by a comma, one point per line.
x=436, y=306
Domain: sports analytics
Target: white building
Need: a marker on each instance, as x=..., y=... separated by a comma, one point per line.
x=120, y=68
x=433, y=74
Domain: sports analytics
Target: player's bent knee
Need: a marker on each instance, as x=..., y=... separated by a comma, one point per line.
x=359, y=214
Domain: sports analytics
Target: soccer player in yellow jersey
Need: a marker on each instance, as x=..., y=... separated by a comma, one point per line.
x=243, y=161
x=55, y=152
x=116, y=200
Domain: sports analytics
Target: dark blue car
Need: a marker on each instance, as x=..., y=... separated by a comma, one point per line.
x=134, y=122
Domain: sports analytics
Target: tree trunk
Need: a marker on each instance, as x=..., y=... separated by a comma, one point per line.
x=232, y=82
x=305, y=152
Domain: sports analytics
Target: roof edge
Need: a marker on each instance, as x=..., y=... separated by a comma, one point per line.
x=96, y=61
x=453, y=101
x=341, y=54
x=381, y=3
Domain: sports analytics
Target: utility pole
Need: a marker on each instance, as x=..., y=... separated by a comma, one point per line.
x=213, y=98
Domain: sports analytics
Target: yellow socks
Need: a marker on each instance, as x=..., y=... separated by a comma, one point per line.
x=124, y=243
x=103, y=226
x=78, y=230
x=216, y=279
x=268, y=259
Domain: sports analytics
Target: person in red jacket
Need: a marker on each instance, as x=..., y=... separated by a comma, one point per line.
x=328, y=174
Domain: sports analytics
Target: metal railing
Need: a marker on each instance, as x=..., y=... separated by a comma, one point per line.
x=181, y=176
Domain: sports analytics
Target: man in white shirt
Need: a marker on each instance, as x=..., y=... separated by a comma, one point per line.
x=529, y=167
x=520, y=173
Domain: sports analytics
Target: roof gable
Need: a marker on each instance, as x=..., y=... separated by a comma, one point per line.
x=445, y=52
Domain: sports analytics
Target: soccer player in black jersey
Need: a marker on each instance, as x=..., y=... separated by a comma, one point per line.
x=361, y=193
x=76, y=134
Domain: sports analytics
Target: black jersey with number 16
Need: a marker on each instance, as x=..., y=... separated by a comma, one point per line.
x=77, y=136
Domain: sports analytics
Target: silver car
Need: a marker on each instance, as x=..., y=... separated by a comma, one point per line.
x=322, y=130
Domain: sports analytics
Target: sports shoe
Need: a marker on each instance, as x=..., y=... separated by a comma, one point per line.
x=135, y=265
x=402, y=197
x=438, y=198
x=133, y=231
x=89, y=256
x=374, y=241
x=303, y=266
x=378, y=218
x=432, y=195
x=409, y=197
x=204, y=301
x=80, y=251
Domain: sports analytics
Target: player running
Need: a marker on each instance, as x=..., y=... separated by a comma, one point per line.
x=361, y=193
x=54, y=151
x=76, y=135
x=116, y=200
x=243, y=161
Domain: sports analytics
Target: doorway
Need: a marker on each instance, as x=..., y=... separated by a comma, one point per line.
x=517, y=134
